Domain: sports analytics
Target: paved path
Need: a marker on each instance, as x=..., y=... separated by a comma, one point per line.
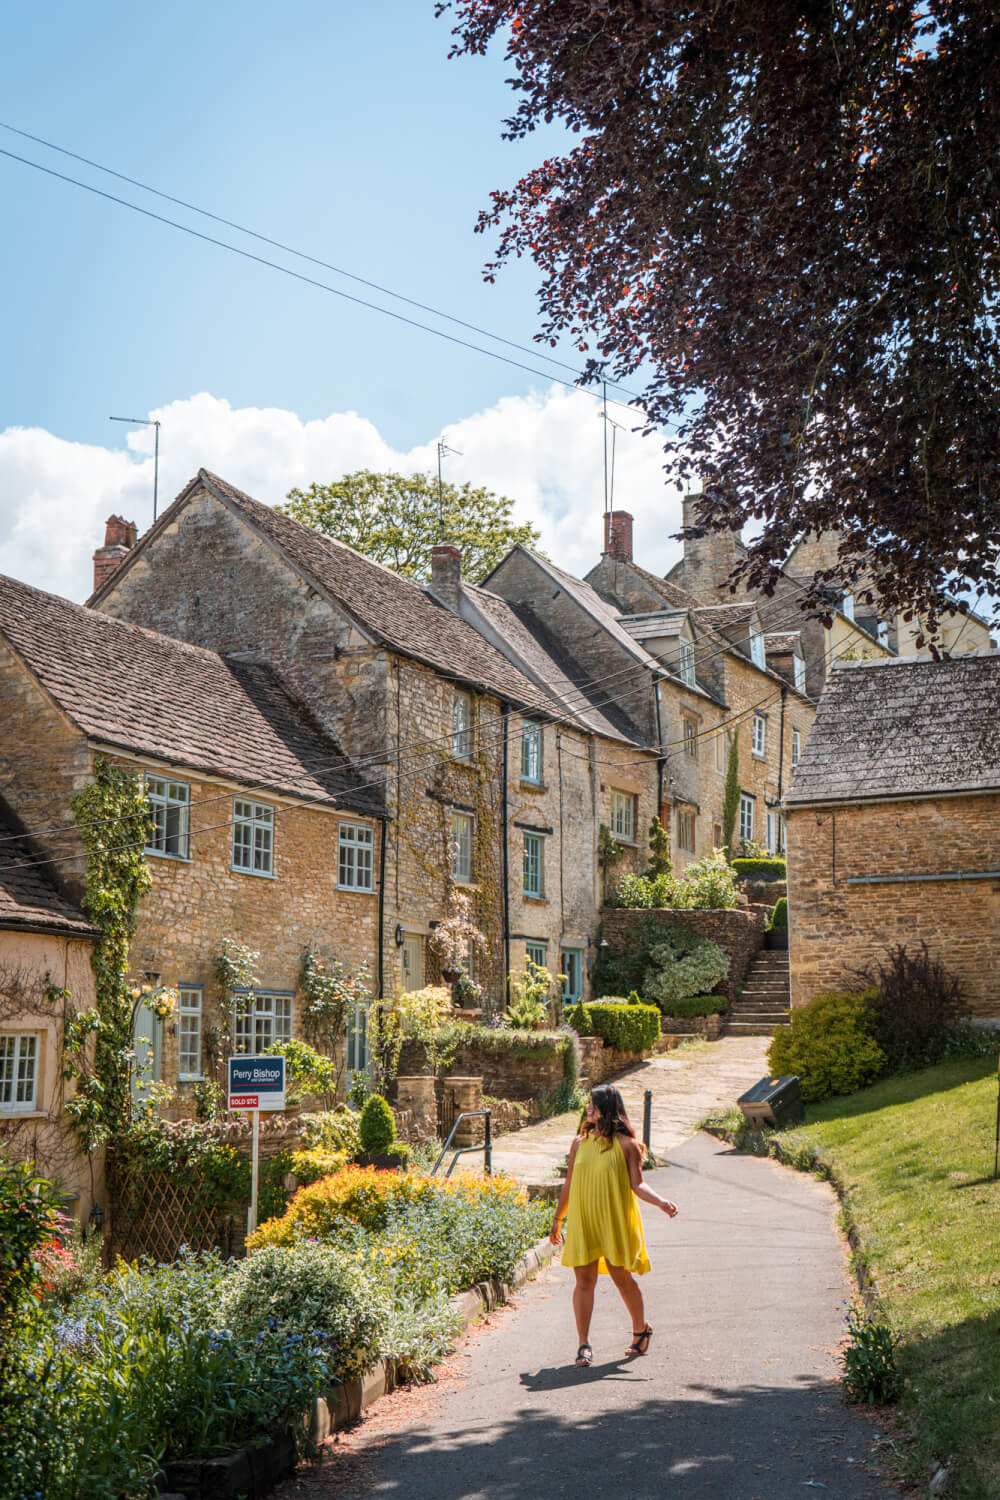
x=687, y=1085
x=735, y=1400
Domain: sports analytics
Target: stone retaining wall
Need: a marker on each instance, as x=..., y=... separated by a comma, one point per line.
x=740, y=933
x=520, y=1073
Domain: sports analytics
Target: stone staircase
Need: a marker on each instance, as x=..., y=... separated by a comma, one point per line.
x=763, y=1006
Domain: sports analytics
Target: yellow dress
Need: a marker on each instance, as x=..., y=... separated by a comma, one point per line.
x=602, y=1216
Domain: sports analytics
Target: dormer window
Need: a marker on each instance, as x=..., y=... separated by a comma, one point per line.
x=687, y=662
x=847, y=606
x=883, y=633
x=757, y=648
x=800, y=673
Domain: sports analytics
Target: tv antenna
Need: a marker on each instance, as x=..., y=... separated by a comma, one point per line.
x=148, y=422
x=609, y=474
x=443, y=449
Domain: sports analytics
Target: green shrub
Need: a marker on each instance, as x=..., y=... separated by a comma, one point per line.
x=699, y=1005
x=302, y=1290
x=760, y=869
x=311, y=1166
x=333, y=1130
x=779, y=917
x=378, y=1125
x=830, y=1045
x=870, y=1373
x=630, y=1028
x=707, y=884
x=644, y=891
x=683, y=964
x=580, y=1021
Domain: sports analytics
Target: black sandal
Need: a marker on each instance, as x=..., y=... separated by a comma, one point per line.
x=584, y=1361
x=640, y=1342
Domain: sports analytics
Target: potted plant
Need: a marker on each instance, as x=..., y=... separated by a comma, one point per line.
x=776, y=932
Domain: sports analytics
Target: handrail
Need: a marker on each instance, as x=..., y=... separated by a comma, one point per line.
x=486, y=1147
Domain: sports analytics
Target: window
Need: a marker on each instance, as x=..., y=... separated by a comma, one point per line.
x=623, y=815
x=746, y=816
x=531, y=753
x=775, y=832
x=883, y=633
x=716, y=835
x=760, y=734
x=188, y=1034
x=357, y=1041
x=354, y=857
x=534, y=869
x=18, y=1073
x=685, y=829
x=571, y=964
x=169, y=803
x=538, y=953
x=721, y=751
x=796, y=747
x=691, y=738
x=461, y=837
x=800, y=673
x=687, y=662
x=253, y=837
x=757, y=648
x=847, y=605
x=266, y=1019
x=461, y=726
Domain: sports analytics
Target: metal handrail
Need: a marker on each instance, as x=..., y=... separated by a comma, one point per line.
x=486, y=1147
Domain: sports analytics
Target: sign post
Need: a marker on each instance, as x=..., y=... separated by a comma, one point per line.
x=996, y=1148
x=255, y=1083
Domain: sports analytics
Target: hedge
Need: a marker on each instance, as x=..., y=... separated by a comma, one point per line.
x=699, y=1005
x=779, y=917
x=760, y=869
x=630, y=1028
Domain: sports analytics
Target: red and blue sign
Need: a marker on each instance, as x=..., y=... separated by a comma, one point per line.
x=256, y=1083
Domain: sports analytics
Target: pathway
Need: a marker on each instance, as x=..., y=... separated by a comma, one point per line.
x=736, y=1400
x=687, y=1085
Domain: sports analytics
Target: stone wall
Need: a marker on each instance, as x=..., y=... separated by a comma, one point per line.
x=522, y=1072
x=740, y=933
x=835, y=926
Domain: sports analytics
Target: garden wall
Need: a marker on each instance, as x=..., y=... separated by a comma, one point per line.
x=515, y=1073
x=739, y=933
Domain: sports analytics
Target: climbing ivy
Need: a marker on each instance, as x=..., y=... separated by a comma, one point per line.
x=112, y=816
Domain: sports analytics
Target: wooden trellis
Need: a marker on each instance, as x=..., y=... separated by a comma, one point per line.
x=155, y=1213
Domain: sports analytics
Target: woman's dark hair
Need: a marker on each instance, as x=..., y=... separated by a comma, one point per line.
x=612, y=1118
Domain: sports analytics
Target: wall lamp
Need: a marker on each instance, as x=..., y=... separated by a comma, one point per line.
x=399, y=934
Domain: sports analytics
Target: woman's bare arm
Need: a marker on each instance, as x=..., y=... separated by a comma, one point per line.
x=560, y=1214
x=633, y=1156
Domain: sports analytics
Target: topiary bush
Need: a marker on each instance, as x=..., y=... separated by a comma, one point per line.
x=699, y=1005
x=760, y=869
x=579, y=1020
x=378, y=1125
x=630, y=1028
x=779, y=917
x=830, y=1044
x=683, y=964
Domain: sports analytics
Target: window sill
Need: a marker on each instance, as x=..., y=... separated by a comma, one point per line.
x=175, y=859
x=758, y=755
x=532, y=786
x=535, y=900
x=257, y=874
x=23, y=1114
x=357, y=890
x=190, y=1078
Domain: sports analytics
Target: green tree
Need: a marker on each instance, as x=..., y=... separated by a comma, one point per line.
x=659, y=850
x=731, y=795
x=397, y=518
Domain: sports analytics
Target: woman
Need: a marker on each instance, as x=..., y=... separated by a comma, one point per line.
x=604, y=1231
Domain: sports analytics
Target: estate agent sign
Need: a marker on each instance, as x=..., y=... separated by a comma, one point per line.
x=256, y=1083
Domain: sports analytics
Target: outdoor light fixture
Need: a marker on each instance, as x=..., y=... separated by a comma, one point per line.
x=399, y=934
x=96, y=1218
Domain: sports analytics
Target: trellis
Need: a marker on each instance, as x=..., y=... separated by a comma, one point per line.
x=155, y=1214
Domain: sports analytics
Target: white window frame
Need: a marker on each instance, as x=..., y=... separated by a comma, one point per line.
x=796, y=747
x=847, y=606
x=189, y=1003
x=266, y=1019
x=686, y=819
x=570, y=958
x=253, y=838
x=537, y=951
x=775, y=831
x=166, y=796
x=686, y=669
x=461, y=726
x=746, y=816
x=463, y=837
x=357, y=1041
x=533, y=868
x=800, y=673
x=690, y=738
x=355, y=857
x=759, y=742
x=883, y=633
x=757, y=652
x=623, y=815
x=531, y=752
x=19, y=1072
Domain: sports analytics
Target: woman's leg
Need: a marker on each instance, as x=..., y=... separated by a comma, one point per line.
x=583, y=1299
x=628, y=1289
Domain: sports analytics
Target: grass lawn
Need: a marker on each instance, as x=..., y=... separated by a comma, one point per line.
x=915, y=1156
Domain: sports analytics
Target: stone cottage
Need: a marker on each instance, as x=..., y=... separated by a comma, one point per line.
x=893, y=824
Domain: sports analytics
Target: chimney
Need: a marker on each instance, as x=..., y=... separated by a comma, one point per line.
x=618, y=535
x=446, y=573
x=119, y=539
x=709, y=558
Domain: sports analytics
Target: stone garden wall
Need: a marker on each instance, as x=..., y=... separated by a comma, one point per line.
x=739, y=933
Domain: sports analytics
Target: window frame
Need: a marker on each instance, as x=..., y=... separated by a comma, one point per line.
x=686, y=662
x=690, y=729
x=625, y=800
x=799, y=669
x=747, y=816
x=533, y=859
x=15, y=1106
x=185, y=1011
x=254, y=823
x=775, y=831
x=686, y=821
x=758, y=655
x=160, y=838
x=353, y=841
x=254, y=1012
x=357, y=1042
x=531, y=735
x=541, y=946
x=457, y=839
x=461, y=725
x=758, y=741
x=796, y=753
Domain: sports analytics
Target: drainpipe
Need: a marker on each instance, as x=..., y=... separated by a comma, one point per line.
x=505, y=714
x=381, y=906
x=661, y=759
x=781, y=745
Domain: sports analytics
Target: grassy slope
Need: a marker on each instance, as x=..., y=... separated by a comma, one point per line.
x=915, y=1155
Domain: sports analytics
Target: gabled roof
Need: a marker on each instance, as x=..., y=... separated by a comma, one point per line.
x=655, y=627
x=903, y=728
x=387, y=608
x=549, y=663
x=785, y=640
x=135, y=690
x=29, y=900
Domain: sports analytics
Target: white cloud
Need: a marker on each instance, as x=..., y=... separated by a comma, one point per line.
x=545, y=450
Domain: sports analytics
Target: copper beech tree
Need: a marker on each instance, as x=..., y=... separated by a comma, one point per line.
x=782, y=217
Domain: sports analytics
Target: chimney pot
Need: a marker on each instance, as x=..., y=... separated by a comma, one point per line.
x=446, y=573
x=618, y=535
x=119, y=538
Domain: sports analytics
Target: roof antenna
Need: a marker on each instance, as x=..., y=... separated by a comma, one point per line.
x=442, y=450
x=148, y=422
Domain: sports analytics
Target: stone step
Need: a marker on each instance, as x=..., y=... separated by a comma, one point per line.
x=759, y=1017
x=761, y=993
x=752, y=1028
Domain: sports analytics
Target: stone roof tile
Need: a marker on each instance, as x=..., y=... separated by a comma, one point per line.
x=28, y=896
